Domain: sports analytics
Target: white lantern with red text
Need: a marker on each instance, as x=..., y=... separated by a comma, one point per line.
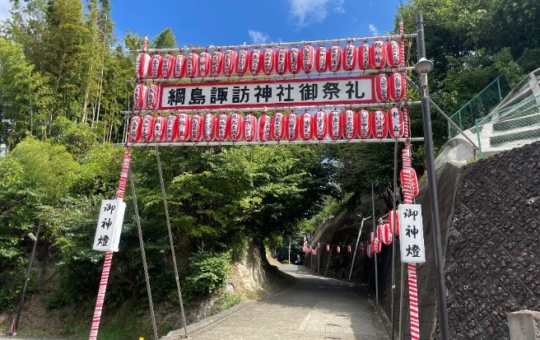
x=364, y=124
x=148, y=129
x=393, y=54
x=308, y=58
x=293, y=126
x=250, y=128
x=334, y=58
x=156, y=66
x=141, y=65
x=255, y=61
x=268, y=61
x=229, y=63
x=222, y=127
x=184, y=128
x=152, y=101
x=140, y=97
x=172, y=129
x=192, y=65
x=387, y=234
x=282, y=61
x=236, y=126
x=321, y=61
x=349, y=124
x=320, y=128
x=197, y=127
x=377, y=54
x=160, y=129
x=363, y=56
x=348, y=57
x=205, y=64
x=381, y=87
x=279, y=126
x=335, y=126
x=265, y=128
x=396, y=87
x=242, y=62
x=135, y=128
x=412, y=188
x=180, y=66
x=294, y=60
x=395, y=123
x=379, y=125
x=167, y=70
x=216, y=68
x=209, y=127
x=306, y=126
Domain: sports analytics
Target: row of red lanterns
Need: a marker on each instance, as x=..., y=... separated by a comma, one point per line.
x=234, y=127
x=270, y=61
x=386, y=88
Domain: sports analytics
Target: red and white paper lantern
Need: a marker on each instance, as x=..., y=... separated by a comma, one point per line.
x=250, y=128
x=135, y=129
x=335, y=125
x=229, y=63
x=364, y=124
x=377, y=54
x=242, y=62
x=167, y=69
x=153, y=97
x=268, y=61
x=185, y=131
x=197, y=127
x=265, y=128
x=349, y=124
x=156, y=65
x=334, y=58
x=381, y=87
x=338, y=249
x=320, y=128
x=395, y=123
x=282, y=61
x=306, y=126
x=236, y=126
x=180, y=66
x=387, y=234
x=147, y=133
x=216, y=68
x=379, y=125
x=348, y=57
x=349, y=249
x=279, y=126
x=308, y=58
x=293, y=126
x=172, y=129
x=140, y=97
x=294, y=60
x=393, y=57
x=377, y=245
x=255, y=61
x=396, y=87
x=321, y=61
x=327, y=247
x=363, y=56
x=222, y=127
x=142, y=64
x=393, y=215
x=205, y=64
x=413, y=189
x=209, y=127
x=160, y=129
x=379, y=231
x=192, y=65
x=369, y=251
x=371, y=237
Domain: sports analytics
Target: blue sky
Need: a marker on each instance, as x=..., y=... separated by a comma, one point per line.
x=223, y=22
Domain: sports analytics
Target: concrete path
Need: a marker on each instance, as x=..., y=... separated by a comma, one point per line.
x=313, y=308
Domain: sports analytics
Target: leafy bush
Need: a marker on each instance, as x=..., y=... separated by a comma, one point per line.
x=207, y=271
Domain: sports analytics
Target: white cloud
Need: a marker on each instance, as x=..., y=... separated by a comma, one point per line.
x=308, y=11
x=258, y=37
x=5, y=7
x=373, y=29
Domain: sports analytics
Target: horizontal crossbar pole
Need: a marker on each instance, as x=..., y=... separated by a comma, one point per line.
x=279, y=44
x=272, y=108
x=262, y=78
x=297, y=142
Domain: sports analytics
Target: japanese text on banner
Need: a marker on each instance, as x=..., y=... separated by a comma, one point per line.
x=109, y=226
x=412, y=233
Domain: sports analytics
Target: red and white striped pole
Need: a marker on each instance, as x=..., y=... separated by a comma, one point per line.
x=109, y=255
